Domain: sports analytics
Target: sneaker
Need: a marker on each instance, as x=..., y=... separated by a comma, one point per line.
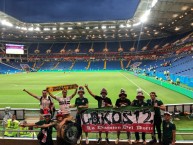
x=129, y=141
x=117, y=141
x=153, y=141
x=99, y=140
x=136, y=141
x=78, y=141
x=87, y=141
x=107, y=140
x=144, y=142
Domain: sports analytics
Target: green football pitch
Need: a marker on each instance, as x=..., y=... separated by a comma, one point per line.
x=11, y=90
x=11, y=93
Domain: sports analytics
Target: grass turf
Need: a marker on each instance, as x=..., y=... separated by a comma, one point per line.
x=11, y=93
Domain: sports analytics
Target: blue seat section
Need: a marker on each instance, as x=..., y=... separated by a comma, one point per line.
x=179, y=67
x=97, y=65
x=5, y=69
x=113, y=65
x=80, y=65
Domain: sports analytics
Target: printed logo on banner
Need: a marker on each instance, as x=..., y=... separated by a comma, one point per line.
x=138, y=120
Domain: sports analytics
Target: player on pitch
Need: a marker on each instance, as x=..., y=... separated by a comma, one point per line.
x=64, y=101
x=123, y=101
x=103, y=101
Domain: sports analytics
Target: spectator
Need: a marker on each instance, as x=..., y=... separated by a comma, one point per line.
x=139, y=102
x=103, y=101
x=169, y=130
x=178, y=81
x=158, y=105
x=81, y=102
x=64, y=101
x=45, y=135
x=12, y=124
x=46, y=104
x=123, y=101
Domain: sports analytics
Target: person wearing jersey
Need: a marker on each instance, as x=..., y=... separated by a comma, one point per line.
x=121, y=102
x=46, y=104
x=158, y=105
x=103, y=101
x=139, y=102
x=64, y=101
x=59, y=125
x=81, y=102
x=46, y=131
x=169, y=130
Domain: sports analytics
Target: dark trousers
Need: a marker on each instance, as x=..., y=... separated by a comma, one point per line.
x=137, y=137
x=61, y=141
x=167, y=141
x=157, y=126
x=78, y=121
x=46, y=143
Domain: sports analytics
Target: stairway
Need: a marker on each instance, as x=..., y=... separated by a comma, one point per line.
x=56, y=65
x=105, y=64
x=122, y=66
x=71, y=67
x=128, y=63
x=88, y=66
x=41, y=65
x=34, y=65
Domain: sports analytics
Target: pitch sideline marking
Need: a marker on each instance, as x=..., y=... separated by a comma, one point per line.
x=134, y=83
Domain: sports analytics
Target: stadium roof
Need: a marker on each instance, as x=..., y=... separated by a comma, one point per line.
x=152, y=19
x=38, y=11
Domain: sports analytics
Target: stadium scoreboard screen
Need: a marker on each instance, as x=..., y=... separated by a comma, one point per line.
x=14, y=49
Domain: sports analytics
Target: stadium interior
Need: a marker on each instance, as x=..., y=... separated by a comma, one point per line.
x=154, y=40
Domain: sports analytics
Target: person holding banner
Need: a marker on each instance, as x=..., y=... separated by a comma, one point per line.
x=169, y=130
x=64, y=101
x=46, y=103
x=123, y=101
x=158, y=105
x=103, y=101
x=81, y=102
x=139, y=102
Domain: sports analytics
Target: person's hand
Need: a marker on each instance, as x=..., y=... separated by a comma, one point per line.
x=86, y=85
x=155, y=105
x=24, y=90
x=173, y=142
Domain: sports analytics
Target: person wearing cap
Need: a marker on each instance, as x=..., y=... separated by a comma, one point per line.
x=139, y=102
x=64, y=101
x=46, y=103
x=103, y=101
x=158, y=105
x=121, y=102
x=81, y=102
x=169, y=130
x=59, y=124
x=45, y=132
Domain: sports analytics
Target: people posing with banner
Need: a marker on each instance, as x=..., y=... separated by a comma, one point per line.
x=158, y=105
x=103, y=101
x=81, y=103
x=46, y=103
x=64, y=101
x=139, y=102
x=121, y=102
